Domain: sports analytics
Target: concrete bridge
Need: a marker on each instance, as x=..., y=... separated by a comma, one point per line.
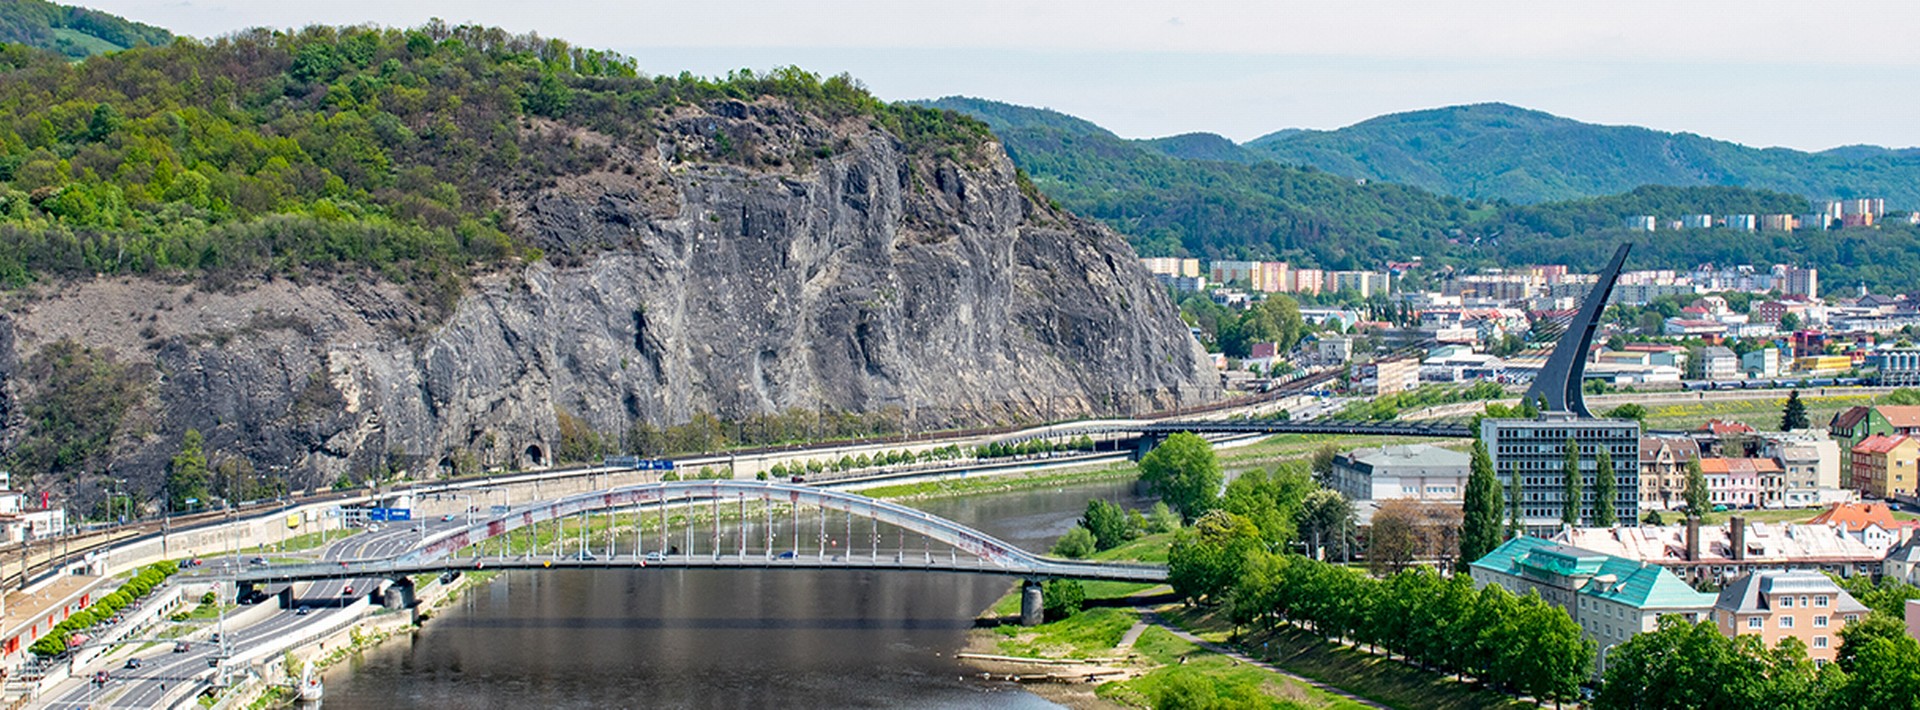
x=770, y=532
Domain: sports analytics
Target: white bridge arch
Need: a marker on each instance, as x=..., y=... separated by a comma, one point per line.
x=439, y=551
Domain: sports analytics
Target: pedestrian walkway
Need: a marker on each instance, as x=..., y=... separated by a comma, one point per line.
x=1235, y=654
x=1132, y=635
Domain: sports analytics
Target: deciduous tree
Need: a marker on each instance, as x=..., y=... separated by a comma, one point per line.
x=1184, y=472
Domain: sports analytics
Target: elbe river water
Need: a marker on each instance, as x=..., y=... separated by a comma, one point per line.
x=718, y=638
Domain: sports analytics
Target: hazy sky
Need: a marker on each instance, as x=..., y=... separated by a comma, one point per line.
x=1789, y=73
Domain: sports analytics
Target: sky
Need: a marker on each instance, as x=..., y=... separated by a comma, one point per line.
x=1796, y=74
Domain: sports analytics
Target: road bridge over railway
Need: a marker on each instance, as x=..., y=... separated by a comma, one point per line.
x=776, y=526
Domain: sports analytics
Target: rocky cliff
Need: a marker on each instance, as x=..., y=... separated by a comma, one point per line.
x=707, y=269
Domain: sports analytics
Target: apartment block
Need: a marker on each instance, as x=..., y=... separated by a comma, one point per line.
x=1775, y=605
x=1535, y=451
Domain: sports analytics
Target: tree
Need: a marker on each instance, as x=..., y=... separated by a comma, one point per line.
x=1076, y=544
x=1163, y=519
x=1206, y=560
x=1323, y=461
x=1571, y=488
x=1183, y=471
x=1790, y=322
x=1794, y=415
x=1391, y=543
x=187, y=473
x=1108, y=523
x=1605, y=489
x=1628, y=411
x=1063, y=598
x=1327, y=521
x=1697, y=494
x=1514, y=528
x=1886, y=674
x=1271, y=500
x=1480, y=517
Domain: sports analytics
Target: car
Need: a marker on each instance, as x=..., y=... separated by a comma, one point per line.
x=347, y=592
x=258, y=561
x=303, y=611
x=215, y=638
x=788, y=555
x=584, y=556
x=448, y=518
x=373, y=527
x=101, y=678
x=182, y=647
x=133, y=663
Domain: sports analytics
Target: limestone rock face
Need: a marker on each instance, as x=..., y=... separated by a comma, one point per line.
x=674, y=284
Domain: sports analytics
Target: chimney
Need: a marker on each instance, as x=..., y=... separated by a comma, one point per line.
x=1693, y=538
x=1737, y=537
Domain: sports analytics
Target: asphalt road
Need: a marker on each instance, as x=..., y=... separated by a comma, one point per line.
x=162, y=669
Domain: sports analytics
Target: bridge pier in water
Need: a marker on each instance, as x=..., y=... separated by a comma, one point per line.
x=399, y=595
x=1033, y=603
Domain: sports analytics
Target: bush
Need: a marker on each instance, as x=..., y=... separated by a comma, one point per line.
x=1064, y=598
x=1076, y=544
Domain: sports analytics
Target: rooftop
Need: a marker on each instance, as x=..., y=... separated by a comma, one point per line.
x=1750, y=594
x=1411, y=455
x=1854, y=517
x=1766, y=543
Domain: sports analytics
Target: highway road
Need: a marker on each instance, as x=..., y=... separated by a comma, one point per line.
x=163, y=670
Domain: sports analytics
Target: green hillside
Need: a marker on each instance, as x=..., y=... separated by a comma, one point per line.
x=1191, y=195
x=73, y=32
x=1497, y=151
x=1211, y=207
x=336, y=150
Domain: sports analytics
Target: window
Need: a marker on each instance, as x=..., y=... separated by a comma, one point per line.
x=1753, y=622
x=1819, y=622
x=1786, y=602
x=1853, y=618
x=1786, y=622
x=1819, y=642
x=1803, y=600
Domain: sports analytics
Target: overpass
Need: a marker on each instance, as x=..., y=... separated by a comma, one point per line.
x=1317, y=426
x=841, y=531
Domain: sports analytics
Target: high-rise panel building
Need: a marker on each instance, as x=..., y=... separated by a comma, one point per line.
x=1535, y=451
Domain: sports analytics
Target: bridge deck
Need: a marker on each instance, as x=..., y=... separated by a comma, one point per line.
x=1390, y=428
x=911, y=560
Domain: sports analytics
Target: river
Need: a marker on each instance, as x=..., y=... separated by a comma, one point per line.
x=714, y=638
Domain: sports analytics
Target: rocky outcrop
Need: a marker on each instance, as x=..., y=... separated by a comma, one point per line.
x=675, y=283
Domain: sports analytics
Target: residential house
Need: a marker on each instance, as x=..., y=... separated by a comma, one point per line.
x=1885, y=466
x=1610, y=597
x=1871, y=523
x=1737, y=482
x=1812, y=465
x=1719, y=363
x=1855, y=424
x=1903, y=563
x=1663, y=471
x=1775, y=605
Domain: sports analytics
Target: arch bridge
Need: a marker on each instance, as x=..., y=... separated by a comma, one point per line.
x=776, y=525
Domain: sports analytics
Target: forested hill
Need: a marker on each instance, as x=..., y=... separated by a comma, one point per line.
x=1197, y=195
x=1497, y=151
x=1188, y=195
x=385, y=150
x=73, y=32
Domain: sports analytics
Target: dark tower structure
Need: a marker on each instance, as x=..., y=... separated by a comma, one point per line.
x=1558, y=384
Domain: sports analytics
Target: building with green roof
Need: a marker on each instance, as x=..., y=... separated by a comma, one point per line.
x=1611, y=598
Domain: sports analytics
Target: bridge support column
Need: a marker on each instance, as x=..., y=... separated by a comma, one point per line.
x=1033, y=603
x=286, y=597
x=399, y=595
x=1145, y=444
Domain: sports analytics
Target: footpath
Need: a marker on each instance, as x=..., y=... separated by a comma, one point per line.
x=1230, y=652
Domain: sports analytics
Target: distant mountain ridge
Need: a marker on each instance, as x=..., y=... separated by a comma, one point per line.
x=73, y=31
x=1498, y=151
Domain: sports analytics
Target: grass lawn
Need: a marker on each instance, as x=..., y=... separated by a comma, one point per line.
x=1226, y=676
x=1762, y=413
x=1290, y=447
x=1004, y=482
x=1088, y=634
x=1357, y=672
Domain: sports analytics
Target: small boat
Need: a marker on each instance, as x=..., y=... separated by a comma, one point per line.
x=310, y=688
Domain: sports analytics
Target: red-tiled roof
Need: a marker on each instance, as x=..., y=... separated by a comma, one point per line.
x=1856, y=516
x=1718, y=427
x=1879, y=444
x=1902, y=417
x=1739, y=465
